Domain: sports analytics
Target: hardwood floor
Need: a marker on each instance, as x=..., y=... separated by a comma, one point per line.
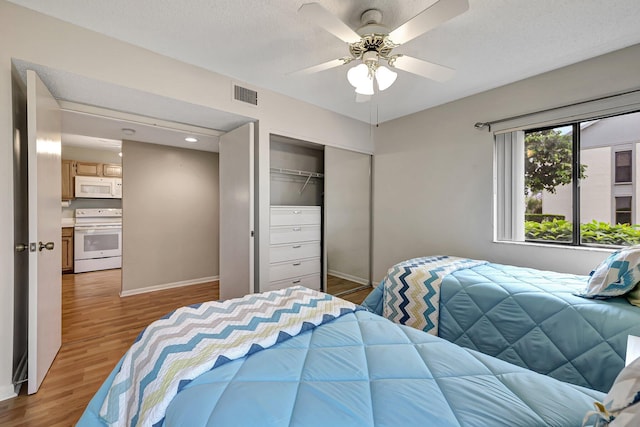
x=98, y=326
x=338, y=286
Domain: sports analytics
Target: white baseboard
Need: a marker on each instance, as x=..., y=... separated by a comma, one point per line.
x=168, y=286
x=7, y=392
x=358, y=280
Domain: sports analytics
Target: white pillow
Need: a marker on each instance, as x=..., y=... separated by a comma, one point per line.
x=616, y=275
x=621, y=406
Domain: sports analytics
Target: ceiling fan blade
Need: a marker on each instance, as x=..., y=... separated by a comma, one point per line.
x=428, y=19
x=325, y=19
x=320, y=67
x=422, y=68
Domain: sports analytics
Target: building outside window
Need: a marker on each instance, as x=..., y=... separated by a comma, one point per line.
x=623, y=166
x=623, y=210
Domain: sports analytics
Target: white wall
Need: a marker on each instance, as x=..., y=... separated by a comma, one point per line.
x=72, y=152
x=433, y=172
x=39, y=39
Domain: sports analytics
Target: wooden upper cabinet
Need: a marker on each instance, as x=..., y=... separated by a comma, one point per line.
x=112, y=170
x=88, y=169
x=68, y=173
x=98, y=169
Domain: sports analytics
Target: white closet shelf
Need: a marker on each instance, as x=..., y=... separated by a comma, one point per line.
x=297, y=172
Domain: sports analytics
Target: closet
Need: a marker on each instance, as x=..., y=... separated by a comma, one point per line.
x=320, y=217
x=296, y=211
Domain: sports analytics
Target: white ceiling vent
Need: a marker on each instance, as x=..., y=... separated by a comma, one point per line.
x=243, y=94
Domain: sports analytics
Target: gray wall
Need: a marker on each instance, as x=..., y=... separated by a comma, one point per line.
x=433, y=172
x=170, y=204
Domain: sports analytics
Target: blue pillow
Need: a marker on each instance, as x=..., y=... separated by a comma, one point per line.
x=616, y=275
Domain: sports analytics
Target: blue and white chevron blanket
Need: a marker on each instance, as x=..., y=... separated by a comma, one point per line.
x=411, y=290
x=192, y=340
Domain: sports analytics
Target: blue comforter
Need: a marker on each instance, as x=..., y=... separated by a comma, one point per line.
x=531, y=318
x=363, y=370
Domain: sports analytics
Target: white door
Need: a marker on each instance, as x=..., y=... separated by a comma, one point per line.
x=45, y=263
x=236, y=212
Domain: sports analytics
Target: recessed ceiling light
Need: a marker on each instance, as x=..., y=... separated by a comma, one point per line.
x=120, y=154
x=128, y=131
x=191, y=139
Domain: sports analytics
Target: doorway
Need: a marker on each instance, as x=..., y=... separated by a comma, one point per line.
x=98, y=125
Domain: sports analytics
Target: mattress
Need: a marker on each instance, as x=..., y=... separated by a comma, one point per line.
x=532, y=319
x=363, y=370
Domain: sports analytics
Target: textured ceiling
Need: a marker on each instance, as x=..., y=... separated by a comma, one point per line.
x=259, y=42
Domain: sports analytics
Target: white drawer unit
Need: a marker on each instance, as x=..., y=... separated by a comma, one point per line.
x=311, y=281
x=291, y=251
x=294, y=234
x=298, y=215
x=293, y=268
x=295, y=247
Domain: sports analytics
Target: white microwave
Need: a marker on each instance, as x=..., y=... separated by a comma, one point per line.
x=96, y=187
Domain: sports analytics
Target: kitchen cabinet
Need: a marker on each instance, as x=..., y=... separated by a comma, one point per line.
x=68, y=172
x=88, y=168
x=67, y=249
x=112, y=170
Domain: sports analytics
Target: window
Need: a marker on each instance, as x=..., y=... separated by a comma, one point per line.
x=579, y=183
x=623, y=210
x=548, y=181
x=623, y=166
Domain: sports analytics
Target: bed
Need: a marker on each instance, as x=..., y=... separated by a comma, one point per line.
x=344, y=367
x=527, y=317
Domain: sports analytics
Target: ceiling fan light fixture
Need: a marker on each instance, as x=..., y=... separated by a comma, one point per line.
x=358, y=75
x=385, y=77
x=366, y=88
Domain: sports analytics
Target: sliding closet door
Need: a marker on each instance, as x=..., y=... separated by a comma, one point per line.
x=347, y=219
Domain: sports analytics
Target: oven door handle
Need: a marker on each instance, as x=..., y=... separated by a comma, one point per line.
x=97, y=227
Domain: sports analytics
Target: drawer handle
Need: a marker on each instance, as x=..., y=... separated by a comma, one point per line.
x=297, y=229
x=296, y=281
x=296, y=263
x=297, y=246
x=297, y=212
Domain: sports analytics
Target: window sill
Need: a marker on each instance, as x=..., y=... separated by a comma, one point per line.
x=558, y=246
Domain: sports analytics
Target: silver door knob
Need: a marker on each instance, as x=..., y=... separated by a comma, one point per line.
x=21, y=247
x=48, y=246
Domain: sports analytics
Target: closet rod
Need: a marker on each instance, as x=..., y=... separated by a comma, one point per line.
x=297, y=172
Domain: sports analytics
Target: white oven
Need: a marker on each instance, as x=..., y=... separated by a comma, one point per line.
x=97, y=187
x=97, y=241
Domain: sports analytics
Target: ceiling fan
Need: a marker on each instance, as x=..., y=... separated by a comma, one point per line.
x=372, y=43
